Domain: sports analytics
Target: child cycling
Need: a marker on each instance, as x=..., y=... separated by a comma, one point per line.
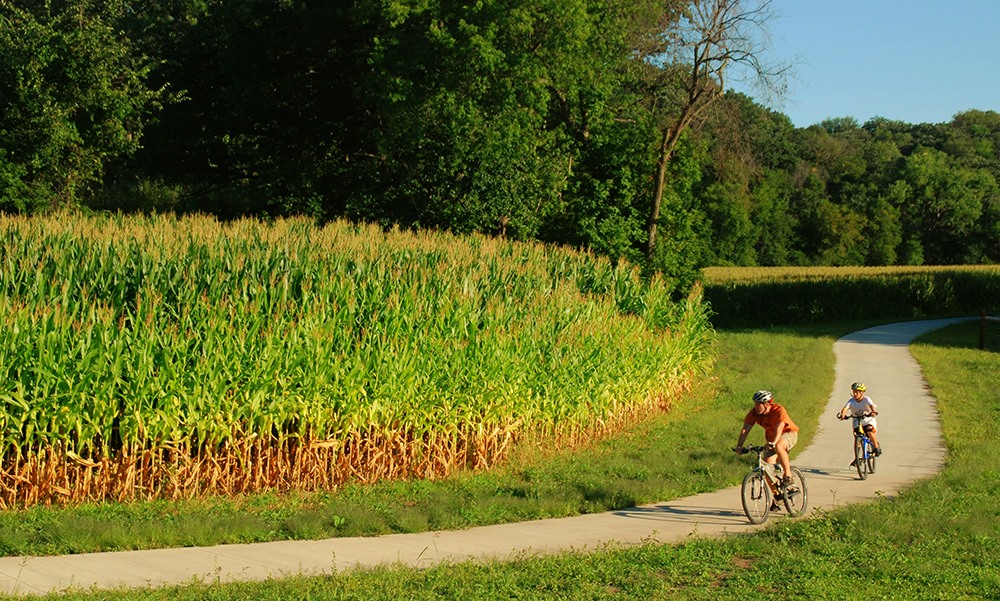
x=861, y=407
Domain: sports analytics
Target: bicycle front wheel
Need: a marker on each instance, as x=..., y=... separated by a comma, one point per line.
x=871, y=458
x=859, y=458
x=795, y=495
x=756, y=497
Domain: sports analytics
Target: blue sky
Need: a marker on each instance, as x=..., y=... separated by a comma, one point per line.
x=917, y=61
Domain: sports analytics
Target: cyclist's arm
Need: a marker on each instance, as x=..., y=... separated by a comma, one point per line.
x=843, y=411
x=777, y=435
x=743, y=436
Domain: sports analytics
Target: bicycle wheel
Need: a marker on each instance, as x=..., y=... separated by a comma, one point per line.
x=859, y=457
x=871, y=456
x=756, y=497
x=796, y=496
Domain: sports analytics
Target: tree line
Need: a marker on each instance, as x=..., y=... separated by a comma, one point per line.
x=603, y=124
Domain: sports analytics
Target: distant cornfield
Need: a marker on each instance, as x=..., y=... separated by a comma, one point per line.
x=172, y=357
x=760, y=296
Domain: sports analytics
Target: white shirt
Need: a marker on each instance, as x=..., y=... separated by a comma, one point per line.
x=855, y=408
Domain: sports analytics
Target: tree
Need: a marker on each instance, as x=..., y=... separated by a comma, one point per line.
x=974, y=140
x=688, y=66
x=272, y=99
x=73, y=98
x=775, y=221
x=945, y=205
x=748, y=144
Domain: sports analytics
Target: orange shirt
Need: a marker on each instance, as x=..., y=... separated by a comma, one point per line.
x=770, y=420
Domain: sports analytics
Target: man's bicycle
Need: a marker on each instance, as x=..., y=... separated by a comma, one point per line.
x=762, y=490
x=864, y=450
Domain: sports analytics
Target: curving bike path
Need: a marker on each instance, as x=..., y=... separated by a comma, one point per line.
x=908, y=430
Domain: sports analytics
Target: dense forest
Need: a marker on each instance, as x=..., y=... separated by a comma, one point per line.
x=603, y=124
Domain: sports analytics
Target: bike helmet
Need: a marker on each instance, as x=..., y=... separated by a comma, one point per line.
x=762, y=396
x=858, y=386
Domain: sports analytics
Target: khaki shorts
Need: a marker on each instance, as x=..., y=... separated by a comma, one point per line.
x=790, y=439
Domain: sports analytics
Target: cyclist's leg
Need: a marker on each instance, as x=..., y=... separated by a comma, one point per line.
x=785, y=444
x=771, y=456
x=871, y=430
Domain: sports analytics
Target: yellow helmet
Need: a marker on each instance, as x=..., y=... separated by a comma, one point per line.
x=858, y=386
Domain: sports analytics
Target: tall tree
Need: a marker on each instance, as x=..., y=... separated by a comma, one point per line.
x=944, y=206
x=689, y=63
x=272, y=100
x=775, y=222
x=73, y=97
x=463, y=137
x=748, y=145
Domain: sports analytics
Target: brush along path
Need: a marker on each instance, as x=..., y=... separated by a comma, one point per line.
x=880, y=357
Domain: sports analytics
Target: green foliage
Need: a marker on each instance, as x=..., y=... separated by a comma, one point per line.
x=73, y=99
x=946, y=204
x=682, y=247
x=728, y=212
x=531, y=120
x=880, y=194
x=518, y=119
x=15, y=193
x=774, y=235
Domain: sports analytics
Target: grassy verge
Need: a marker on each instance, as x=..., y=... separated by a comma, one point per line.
x=663, y=459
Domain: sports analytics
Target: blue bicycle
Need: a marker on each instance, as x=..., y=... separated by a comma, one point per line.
x=864, y=450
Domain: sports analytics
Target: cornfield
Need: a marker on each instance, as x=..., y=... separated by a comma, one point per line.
x=761, y=296
x=168, y=357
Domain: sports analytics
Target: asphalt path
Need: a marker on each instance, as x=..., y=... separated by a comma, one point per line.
x=908, y=431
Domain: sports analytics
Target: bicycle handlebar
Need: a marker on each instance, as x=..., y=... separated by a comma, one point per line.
x=865, y=414
x=752, y=449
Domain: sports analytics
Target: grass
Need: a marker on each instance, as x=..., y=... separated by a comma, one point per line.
x=936, y=540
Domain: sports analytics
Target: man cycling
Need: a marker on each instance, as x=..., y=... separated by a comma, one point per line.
x=862, y=408
x=780, y=431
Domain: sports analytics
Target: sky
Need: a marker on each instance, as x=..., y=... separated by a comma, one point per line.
x=916, y=61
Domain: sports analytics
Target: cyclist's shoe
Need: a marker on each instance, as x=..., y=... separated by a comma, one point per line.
x=878, y=451
x=787, y=484
x=854, y=463
x=775, y=506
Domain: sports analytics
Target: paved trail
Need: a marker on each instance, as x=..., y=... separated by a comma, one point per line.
x=908, y=430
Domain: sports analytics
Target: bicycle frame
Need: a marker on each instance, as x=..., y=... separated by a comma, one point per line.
x=864, y=450
x=761, y=488
x=770, y=471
